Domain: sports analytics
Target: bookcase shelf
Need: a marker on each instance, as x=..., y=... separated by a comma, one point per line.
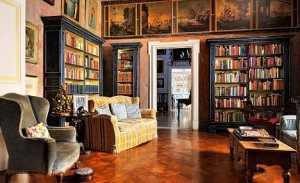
x=126, y=68
x=241, y=68
x=73, y=57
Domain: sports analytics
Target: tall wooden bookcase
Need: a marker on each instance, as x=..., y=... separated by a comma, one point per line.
x=126, y=68
x=72, y=57
x=256, y=68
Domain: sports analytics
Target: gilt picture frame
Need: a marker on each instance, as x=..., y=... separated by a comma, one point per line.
x=31, y=43
x=92, y=16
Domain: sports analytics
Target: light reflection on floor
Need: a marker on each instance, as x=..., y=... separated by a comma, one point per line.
x=170, y=120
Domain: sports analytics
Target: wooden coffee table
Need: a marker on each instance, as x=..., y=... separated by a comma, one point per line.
x=252, y=153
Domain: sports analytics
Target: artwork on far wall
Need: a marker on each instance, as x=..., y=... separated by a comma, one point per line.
x=274, y=13
x=157, y=17
x=31, y=42
x=92, y=17
x=160, y=82
x=233, y=14
x=74, y=10
x=193, y=15
x=31, y=85
x=122, y=19
x=160, y=66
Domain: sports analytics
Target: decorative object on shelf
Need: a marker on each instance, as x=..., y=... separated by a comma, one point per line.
x=160, y=83
x=80, y=103
x=193, y=15
x=92, y=17
x=31, y=43
x=31, y=85
x=51, y=2
x=61, y=102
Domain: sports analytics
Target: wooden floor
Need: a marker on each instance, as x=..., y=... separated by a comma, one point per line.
x=176, y=156
x=170, y=119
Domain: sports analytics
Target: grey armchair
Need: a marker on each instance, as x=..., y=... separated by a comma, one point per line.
x=35, y=155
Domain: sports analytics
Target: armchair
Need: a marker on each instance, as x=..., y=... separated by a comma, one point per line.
x=260, y=117
x=52, y=156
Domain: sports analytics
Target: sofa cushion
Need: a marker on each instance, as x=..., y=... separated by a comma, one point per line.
x=103, y=110
x=292, y=134
x=131, y=124
x=288, y=122
x=38, y=131
x=119, y=110
x=133, y=111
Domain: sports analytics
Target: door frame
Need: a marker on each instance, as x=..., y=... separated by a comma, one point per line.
x=153, y=46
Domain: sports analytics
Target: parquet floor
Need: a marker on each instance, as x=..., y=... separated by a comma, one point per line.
x=177, y=156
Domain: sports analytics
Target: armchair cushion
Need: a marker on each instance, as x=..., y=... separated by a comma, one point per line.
x=258, y=119
x=292, y=134
x=288, y=122
x=38, y=131
x=63, y=134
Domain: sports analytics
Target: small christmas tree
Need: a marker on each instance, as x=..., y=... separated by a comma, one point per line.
x=61, y=103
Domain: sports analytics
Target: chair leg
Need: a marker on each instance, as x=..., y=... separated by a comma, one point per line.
x=59, y=178
x=7, y=178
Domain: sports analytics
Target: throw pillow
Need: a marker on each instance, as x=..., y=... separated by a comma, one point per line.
x=119, y=110
x=38, y=131
x=133, y=111
x=103, y=110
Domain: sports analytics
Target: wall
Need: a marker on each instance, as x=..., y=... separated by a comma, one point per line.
x=203, y=65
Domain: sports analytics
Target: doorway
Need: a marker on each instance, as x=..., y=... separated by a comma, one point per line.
x=194, y=45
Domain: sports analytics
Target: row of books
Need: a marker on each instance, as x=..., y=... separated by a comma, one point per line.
x=91, y=89
x=74, y=41
x=91, y=74
x=92, y=49
x=127, y=55
x=230, y=50
x=125, y=89
x=124, y=65
x=91, y=62
x=231, y=64
x=74, y=88
x=224, y=116
x=266, y=73
x=265, y=49
x=233, y=77
x=74, y=58
x=74, y=73
x=229, y=103
x=265, y=61
x=275, y=84
x=268, y=100
x=231, y=91
x=124, y=76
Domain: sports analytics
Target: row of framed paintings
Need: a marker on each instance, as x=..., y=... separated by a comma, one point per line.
x=86, y=13
x=178, y=16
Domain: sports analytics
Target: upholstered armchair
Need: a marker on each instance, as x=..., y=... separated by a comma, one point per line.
x=49, y=156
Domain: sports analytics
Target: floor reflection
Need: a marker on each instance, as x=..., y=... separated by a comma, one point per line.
x=170, y=119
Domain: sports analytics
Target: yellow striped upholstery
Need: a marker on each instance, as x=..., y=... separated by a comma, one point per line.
x=106, y=133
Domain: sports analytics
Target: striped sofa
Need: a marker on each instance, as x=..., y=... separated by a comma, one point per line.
x=106, y=133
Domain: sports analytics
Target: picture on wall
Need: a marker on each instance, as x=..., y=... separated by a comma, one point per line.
x=80, y=101
x=274, y=13
x=193, y=15
x=71, y=8
x=160, y=83
x=122, y=19
x=160, y=66
x=31, y=85
x=31, y=42
x=157, y=17
x=233, y=14
x=93, y=16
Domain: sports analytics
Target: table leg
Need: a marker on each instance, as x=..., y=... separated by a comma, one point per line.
x=231, y=152
x=286, y=175
x=250, y=174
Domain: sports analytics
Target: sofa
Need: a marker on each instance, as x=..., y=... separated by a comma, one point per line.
x=106, y=133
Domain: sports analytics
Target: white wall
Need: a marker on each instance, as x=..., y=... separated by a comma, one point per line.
x=12, y=55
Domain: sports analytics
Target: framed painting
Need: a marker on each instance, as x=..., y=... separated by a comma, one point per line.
x=122, y=19
x=156, y=17
x=80, y=101
x=160, y=83
x=274, y=13
x=31, y=85
x=233, y=14
x=160, y=66
x=193, y=15
x=74, y=10
x=51, y=2
x=92, y=16
x=31, y=42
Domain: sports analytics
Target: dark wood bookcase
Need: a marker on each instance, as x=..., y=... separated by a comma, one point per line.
x=72, y=57
x=256, y=68
x=126, y=68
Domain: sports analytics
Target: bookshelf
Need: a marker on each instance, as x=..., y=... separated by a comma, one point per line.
x=126, y=68
x=241, y=68
x=72, y=56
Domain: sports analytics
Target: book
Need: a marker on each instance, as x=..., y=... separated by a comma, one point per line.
x=268, y=142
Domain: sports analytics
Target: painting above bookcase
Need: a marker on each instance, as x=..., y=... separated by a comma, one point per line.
x=247, y=68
